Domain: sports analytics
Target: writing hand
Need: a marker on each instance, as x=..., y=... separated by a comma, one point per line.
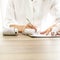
x=31, y=26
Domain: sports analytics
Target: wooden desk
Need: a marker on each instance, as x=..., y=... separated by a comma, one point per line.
x=25, y=48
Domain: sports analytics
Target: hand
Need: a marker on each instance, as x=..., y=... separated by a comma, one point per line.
x=52, y=30
x=58, y=33
x=46, y=31
x=20, y=28
x=31, y=26
x=55, y=31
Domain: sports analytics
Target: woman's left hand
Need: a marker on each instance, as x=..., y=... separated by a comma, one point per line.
x=47, y=31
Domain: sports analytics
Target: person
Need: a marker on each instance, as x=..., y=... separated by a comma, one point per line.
x=34, y=10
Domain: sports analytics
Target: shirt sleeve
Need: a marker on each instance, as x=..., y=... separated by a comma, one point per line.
x=10, y=16
x=55, y=10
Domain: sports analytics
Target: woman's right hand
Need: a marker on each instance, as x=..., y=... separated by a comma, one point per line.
x=22, y=27
x=31, y=26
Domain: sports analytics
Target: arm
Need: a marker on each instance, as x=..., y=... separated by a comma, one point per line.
x=10, y=17
x=21, y=28
x=55, y=12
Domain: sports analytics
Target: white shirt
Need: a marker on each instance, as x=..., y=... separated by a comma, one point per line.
x=36, y=11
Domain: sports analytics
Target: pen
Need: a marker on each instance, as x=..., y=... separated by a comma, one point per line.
x=31, y=24
x=29, y=21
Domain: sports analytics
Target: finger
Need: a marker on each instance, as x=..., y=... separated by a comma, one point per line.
x=43, y=32
x=48, y=31
x=12, y=25
x=31, y=26
x=35, y=29
x=58, y=33
x=52, y=33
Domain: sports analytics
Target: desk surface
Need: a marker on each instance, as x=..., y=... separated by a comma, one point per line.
x=22, y=47
x=24, y=37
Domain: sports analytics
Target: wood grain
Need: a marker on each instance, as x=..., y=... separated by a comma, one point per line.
x=22, y=47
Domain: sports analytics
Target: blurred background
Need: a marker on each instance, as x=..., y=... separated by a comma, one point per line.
x=0, y=17
x=3, y=4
